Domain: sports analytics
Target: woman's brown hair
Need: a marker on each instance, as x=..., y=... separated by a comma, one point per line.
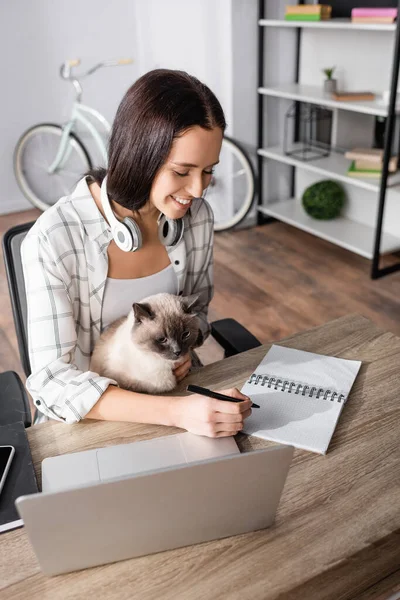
x=158, y=107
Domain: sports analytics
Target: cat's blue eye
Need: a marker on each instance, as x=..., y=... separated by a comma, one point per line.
x=185, y=335
x=162, y=340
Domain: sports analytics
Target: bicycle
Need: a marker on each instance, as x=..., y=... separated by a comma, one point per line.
x=49, y=159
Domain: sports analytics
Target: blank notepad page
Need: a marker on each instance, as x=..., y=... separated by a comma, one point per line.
x=301, y=396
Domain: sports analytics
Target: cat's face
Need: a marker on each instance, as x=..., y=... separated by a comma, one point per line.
x=166, y=325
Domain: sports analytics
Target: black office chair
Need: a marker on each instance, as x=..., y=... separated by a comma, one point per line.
x=232, y=336
x=12, y=242
x=14, y=404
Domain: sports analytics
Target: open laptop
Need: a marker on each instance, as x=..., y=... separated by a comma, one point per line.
x=153, y=511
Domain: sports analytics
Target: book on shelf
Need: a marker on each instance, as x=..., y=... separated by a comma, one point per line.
x=377, y=166
x=308, y=12
x=300, y=17
x=374, y=156
x=392, y=180
x=352, y=96
x=374, y=12
x=308, y=9
x=383, y=20
x=353, y=171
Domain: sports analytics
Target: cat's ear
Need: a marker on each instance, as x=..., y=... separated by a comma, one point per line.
x=191, y=304
x=142, y=311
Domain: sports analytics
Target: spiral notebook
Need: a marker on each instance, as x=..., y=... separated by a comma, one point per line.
x=301, y=396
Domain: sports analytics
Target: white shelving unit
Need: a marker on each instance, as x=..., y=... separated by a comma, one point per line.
x=315, y=95
x=348, y=234
x=335, y=165
x=332, y=24
x=352, y=235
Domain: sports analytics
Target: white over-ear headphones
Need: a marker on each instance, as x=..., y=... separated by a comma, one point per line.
x=127, y=234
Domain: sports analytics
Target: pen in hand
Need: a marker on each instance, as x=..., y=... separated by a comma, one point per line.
x=196, y=389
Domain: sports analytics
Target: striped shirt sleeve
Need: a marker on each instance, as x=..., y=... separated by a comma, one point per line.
x=59, y=389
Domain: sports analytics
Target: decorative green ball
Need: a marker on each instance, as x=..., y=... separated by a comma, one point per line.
x=324, y=199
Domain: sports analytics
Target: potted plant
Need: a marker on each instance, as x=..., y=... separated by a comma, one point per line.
x=329, y=83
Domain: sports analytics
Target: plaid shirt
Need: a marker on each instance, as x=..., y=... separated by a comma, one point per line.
x=65, y=266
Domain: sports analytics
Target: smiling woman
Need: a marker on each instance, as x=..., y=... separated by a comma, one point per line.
x=116, y=225
x=184, y=182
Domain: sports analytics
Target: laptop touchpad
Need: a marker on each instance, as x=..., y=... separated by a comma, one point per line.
x=69, y=470
x=126, y=459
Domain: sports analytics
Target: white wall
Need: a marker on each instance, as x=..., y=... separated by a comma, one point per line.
x=191, y=35
x=35, y=38
x=363, y=59
x=199, y=36
x=244, y=73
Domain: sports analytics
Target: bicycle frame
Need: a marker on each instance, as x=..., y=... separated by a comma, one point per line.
x=78, y=115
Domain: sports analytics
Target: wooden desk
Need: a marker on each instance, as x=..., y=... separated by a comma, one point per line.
x=337, y=532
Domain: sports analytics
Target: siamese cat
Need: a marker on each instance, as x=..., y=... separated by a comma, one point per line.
x=139, y=351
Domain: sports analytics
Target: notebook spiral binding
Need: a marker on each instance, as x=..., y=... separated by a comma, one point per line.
x=293, y=387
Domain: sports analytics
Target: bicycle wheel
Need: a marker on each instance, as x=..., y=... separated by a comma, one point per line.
x=232, y=187
x=35, y=152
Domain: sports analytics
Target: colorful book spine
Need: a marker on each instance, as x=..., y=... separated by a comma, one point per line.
x=305, y=18
x=369, y=173
x=307, y=9
x=352, y=96
x=367, y=165
x=382, y=20
x=308, y=12
x=372, y=154
x=374, y=12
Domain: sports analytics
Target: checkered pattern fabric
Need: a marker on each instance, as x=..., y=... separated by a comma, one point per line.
x=65, y=266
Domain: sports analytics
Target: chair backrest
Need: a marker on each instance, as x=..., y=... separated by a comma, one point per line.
x=12, y=241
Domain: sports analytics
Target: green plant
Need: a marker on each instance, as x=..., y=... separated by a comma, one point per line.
x=324, y=199
x=329, y=72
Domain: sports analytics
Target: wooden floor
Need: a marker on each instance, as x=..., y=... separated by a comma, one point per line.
x=276, y=280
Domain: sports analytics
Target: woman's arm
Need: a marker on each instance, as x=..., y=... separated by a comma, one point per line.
x=195, y=413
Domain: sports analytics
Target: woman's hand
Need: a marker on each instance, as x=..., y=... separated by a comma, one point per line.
x=213, y=418
x=183, y=368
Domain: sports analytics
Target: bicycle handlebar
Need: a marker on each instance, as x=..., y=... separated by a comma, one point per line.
x=68, y=65
x=73, y=62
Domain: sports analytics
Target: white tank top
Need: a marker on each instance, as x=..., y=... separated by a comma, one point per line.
x=120, y=294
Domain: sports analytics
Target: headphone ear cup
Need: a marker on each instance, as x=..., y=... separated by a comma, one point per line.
x=122, y=236
x=170, y=231
x=133, y=231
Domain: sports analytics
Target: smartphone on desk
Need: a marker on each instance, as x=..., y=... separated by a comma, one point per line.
x=6, y=456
